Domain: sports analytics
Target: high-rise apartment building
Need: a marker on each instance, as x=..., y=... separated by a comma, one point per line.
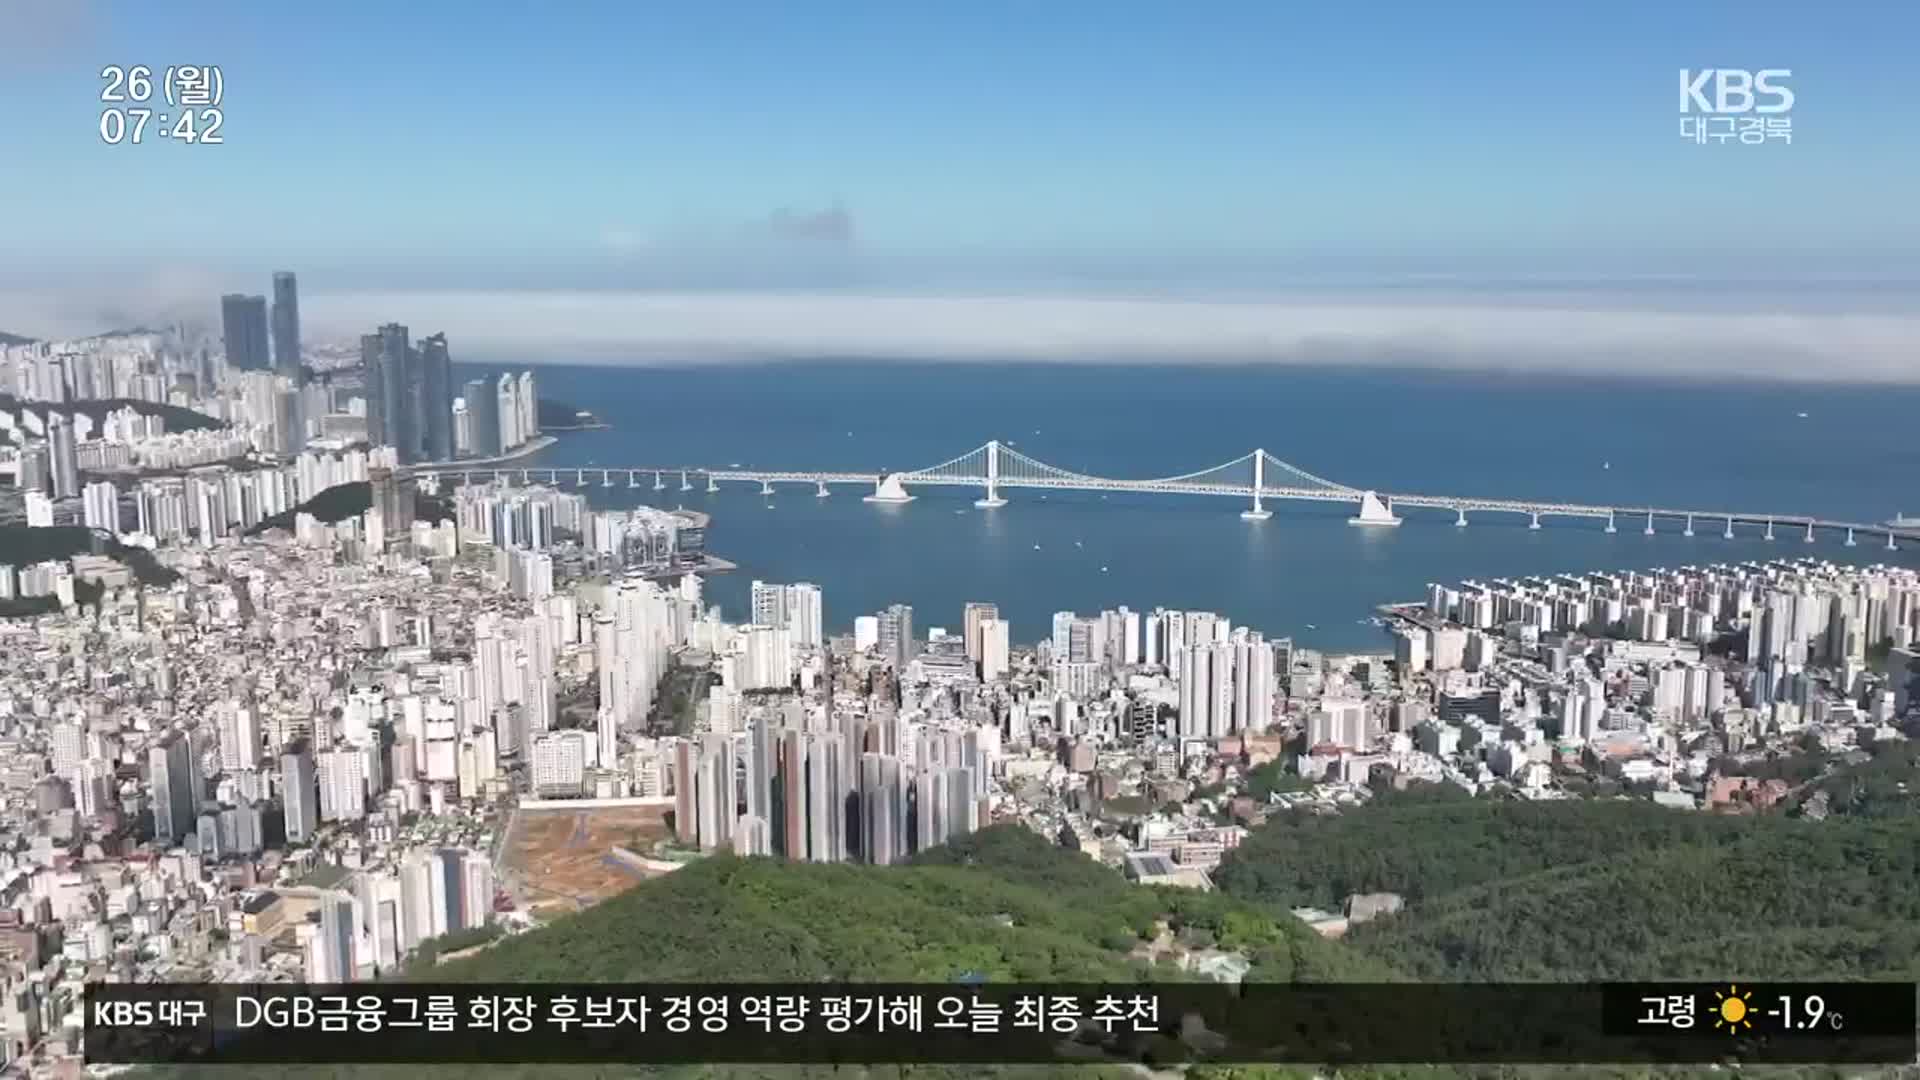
x=175, y=779
x=300, y=796
x=974, y=615
x=286, y=326
x=896, y=635
x=483, y=413
x=436, y=399
x=64, y=456
x=244, y=322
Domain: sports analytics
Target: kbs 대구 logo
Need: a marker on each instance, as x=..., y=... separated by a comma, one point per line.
x=1727, y=105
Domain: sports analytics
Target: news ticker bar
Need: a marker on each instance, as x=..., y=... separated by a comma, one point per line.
x=1000, y=1023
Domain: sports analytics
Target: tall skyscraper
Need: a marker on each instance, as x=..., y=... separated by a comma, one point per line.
x=329, y=940
x=993, y=649
x=64, y=456
x=974, y=616
x=300, y=796
x=896, y=635
x=483, y=408
x=286, y=326
x=343, y=785
x=436, y=398
x=387, y=359
x=244, y=322
x=174, y=778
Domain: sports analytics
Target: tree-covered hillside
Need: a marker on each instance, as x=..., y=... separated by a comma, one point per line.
x=1423, y=848
x=1511, y=890
x=1003, y=903
x=176, y=417
x=343, y=501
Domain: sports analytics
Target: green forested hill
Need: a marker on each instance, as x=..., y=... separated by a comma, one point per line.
x=1003, y=903
x=1604, y=890
x=1422, y=848
x=343, y=501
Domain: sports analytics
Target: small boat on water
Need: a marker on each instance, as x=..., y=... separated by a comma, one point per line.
x=1310, y=626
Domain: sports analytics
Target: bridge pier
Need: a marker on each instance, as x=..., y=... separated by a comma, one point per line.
x=580, y=478
x=633, y=478
x=1649, y=528
x=1689, y=531
x=713, y=486
x=1610, y=525
x=1809, y=532
x=685, y=483
x=466, y=478
x=1891, y=546
x=889, y=489
x=1769, y=528
x=1536, y=520
x=606, y=478
x=1729, y=532
x=766, y=487
x=1460, y=522
x=1850, y=540
x=1373, y=511
x=524, y=478
x=659, y=482
x=500, y=478
x=822, y=492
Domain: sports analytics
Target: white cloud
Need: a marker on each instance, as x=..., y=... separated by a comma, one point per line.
x=1610, y=334
x=1483, y=334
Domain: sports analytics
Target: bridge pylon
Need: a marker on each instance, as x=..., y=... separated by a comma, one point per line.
x=1259, y=512
x=992, y=499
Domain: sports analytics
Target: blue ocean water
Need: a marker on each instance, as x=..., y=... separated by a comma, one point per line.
x=1305, y=572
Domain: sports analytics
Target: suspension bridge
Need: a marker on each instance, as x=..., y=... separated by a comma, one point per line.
x=1257, y=477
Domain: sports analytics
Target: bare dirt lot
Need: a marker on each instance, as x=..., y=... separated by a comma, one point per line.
x=562, y=860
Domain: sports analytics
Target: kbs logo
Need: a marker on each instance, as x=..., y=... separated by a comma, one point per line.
x=1733, y=90
x=1735, y=105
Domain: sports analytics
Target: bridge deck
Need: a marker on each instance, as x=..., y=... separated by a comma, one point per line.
x=669, y=477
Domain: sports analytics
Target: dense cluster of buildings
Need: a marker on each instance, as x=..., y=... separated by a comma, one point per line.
x=302, y=759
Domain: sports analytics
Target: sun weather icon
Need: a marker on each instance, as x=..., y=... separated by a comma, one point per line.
x=1733, y=1011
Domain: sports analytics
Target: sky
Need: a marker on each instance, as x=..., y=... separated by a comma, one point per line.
x=1019, y=163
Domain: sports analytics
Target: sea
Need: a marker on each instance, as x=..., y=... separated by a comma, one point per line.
x=1840, y=452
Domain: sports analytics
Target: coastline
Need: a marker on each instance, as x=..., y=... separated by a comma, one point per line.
x=526, y=449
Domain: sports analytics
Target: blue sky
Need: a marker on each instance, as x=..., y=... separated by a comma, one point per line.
x=434, y=132
x=452, y=163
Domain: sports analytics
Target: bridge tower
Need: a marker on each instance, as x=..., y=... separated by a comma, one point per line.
x=1261, y=513
x=992, y=499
